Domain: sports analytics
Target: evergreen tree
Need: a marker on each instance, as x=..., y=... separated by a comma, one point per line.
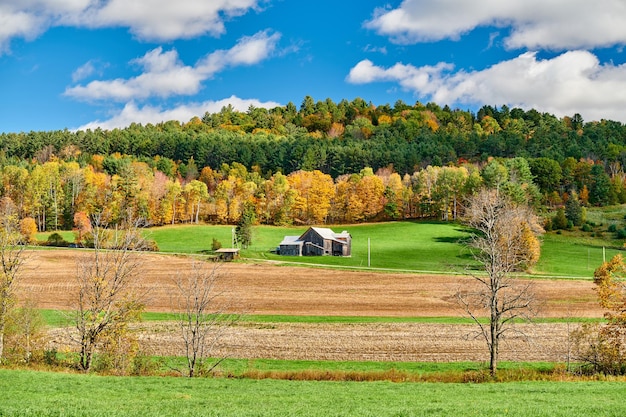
x=573, y=210
x=244, y=227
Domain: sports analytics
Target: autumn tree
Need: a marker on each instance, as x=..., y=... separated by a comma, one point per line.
x=314, y=193
x=195, y=192
x=504, y=234
x=12, y=257
x=205, y=311
x=82, y=225
x=28, y=229
x=25, y=333
x=602, y=347
x=107, y=299
x=279, y=200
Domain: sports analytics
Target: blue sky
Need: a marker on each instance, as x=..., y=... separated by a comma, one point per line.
x=80, y=64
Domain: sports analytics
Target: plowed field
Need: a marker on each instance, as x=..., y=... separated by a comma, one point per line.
x=49, y=279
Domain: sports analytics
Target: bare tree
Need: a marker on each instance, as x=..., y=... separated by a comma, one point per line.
x=107, y=299
x=12, y=257
x=205, y=312
x=504, y=242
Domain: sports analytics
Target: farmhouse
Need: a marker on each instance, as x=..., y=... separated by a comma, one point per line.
x=317, y=241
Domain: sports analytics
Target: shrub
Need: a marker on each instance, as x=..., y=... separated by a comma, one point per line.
x=612, y=228
x=25, y=334
x=559, y=221
x=55, y=239
x=586, y=228
x=151, y=246
x=50, y=357
x=547, y=224
x=216, y=244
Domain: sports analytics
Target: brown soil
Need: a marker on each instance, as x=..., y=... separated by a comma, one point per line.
x=49, y=279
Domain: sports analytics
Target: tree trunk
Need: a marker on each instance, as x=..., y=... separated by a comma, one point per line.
x=1, y=342
x=493, y=351
x=86, y=355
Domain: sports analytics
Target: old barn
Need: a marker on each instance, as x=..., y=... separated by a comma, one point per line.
x=317, y=241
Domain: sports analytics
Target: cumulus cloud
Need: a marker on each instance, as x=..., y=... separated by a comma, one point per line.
x=131, y=113
x=28, y=19
x=534, y=24
x=573, y=82
x=164, y=75
x=163, y=20
x=152, y=20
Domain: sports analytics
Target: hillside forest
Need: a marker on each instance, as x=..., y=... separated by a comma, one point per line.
x=323, y=162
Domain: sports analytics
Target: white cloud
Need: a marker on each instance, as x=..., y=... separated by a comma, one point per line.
x=28, y=19
x=84, y=71
x=248, y=51
x=131, y=113
x=163, y=20
x=535, y=24
x=153, y=20
x=165, y=75
x=375, y=49
x=573, y=82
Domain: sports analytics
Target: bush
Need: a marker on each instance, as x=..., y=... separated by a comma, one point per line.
x=151, y=246
x=55, y=239
x=597, y=349
x=586, y=228
x=612, y=228
x=216, y=244
x=621, y=233
x=50, y=357
x=547, y=224
x=559, y=221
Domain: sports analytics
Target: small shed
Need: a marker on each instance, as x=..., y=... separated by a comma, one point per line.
x=227, y=254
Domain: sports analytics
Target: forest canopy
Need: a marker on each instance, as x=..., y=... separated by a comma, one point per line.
x=319, y=162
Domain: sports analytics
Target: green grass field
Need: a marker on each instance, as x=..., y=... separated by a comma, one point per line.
x=406, y=246
x=402, y=246
x=28, y=393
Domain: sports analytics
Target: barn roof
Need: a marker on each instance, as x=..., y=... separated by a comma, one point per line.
x=227, y=250
x=328, y=234
x=324, y=232
x=291, y=240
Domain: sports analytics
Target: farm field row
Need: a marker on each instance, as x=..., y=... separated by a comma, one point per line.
x=268, y=290
x=262, y=288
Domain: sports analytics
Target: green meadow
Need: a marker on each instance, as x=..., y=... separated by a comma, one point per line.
x=399, y=246
x=412, y=246
x=29, y=393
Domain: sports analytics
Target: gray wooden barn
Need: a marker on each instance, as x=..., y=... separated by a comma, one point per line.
x=317, y=241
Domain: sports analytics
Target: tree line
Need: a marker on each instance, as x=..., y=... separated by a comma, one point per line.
x=337, y=139
x=59, y=194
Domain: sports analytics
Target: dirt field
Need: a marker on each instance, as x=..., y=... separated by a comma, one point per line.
x=271, y=289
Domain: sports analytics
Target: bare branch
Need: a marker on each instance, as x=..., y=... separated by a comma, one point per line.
x=205, y=312
x=503, y=243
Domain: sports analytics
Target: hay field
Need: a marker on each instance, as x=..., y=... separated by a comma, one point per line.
x=269, y=289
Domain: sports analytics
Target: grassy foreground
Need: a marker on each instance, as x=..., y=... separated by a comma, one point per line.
x=29, y=393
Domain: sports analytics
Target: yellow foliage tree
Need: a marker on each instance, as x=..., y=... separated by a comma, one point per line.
x=28, y=229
